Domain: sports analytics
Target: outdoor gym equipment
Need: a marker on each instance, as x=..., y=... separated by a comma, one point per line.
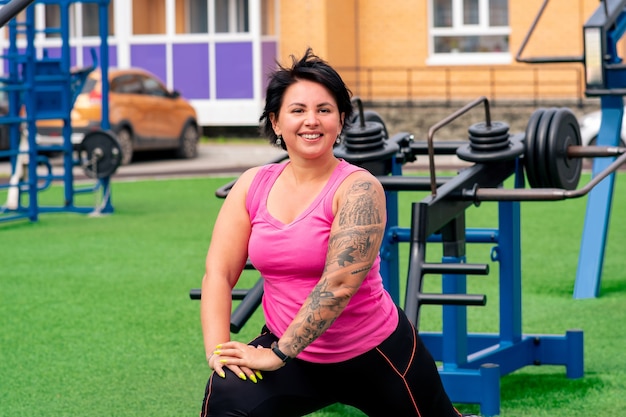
x=605, y=78
x=472, y=364
x=45, y=88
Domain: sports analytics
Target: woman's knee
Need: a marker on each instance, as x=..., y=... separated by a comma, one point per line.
x=226, y=397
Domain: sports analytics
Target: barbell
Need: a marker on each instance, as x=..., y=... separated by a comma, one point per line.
x=551, y=148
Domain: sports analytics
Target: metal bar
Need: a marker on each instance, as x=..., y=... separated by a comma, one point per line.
x=12, y=9
x=444, y=122
x=540, y=194
x=456, y=268
x=453, y=299
x=574, y=151
x=396, y=183
x=545, y=59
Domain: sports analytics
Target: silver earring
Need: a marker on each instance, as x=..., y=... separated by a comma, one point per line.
x=338, y=140
x=279, y=140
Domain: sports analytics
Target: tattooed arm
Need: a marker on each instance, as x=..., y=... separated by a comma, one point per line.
x=354, y=242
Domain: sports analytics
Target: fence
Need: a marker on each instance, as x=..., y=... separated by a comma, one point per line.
x=446, y=85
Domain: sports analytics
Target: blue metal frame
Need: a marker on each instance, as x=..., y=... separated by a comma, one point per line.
x=612, y=26
x=472, y=364
x=47, y=88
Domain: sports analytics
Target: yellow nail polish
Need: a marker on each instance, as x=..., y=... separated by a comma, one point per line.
x=258, y=374
x=223, y=361
x=242, y=376
x=217, y=352
x=218, y=346
x=253, y=378
x=222, y=374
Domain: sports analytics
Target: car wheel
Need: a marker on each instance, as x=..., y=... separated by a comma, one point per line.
x=125, y=139
x=188, y=142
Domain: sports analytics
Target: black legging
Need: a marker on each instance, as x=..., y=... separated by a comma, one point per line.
x=397, y=378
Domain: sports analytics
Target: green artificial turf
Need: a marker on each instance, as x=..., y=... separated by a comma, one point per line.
x=96, y=318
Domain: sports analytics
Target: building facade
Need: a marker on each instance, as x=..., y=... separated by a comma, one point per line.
x=218, y=53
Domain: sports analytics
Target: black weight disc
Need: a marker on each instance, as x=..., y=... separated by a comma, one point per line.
x=563, y=172
x=368, y=116
x=100, y=154
x=482, y=140
x=541, y=148
x=514, y=148
x=531, y=144
x=494, y=129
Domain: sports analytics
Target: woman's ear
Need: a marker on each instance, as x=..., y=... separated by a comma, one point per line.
x=275, y=125
x=342, y=118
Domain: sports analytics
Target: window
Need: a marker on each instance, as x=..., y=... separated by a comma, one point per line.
x=268, y=17
x=83, y=15
x=53, y=20
x=465, y=28
x=153, y=87
x=90, y=18
x=231, y=16
x=198, y=16
x=192, y=16
x=148, y=17
x=126, y=84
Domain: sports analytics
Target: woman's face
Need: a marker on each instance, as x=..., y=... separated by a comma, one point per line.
x=308, y=120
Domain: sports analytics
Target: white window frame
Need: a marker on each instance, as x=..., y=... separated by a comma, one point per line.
x=460, y=29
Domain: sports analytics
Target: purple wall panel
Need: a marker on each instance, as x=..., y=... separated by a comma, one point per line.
x=56, y=53
x=149, y=57
x=269, y=50
x=191, y=70
x=87, y=55
x=233, y=70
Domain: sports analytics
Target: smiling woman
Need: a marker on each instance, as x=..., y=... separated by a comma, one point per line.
x=312, y=227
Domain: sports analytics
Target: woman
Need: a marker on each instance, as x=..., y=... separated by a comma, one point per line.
x=312, y=227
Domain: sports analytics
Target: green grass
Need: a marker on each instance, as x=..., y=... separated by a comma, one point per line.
x=96, y=319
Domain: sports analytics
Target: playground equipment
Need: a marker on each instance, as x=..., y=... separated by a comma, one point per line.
x=472, y=364
x=41, y=87
x=605, y=78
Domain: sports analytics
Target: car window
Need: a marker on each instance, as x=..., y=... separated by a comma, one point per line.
x=88, y=86
x=153, y=87
x=126, y=84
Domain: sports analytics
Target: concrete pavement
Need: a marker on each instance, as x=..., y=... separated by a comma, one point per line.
x=213, y=159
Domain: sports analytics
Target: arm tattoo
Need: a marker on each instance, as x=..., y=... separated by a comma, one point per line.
x=352, y=249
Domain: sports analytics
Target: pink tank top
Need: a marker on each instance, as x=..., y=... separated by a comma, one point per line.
x=291, y=258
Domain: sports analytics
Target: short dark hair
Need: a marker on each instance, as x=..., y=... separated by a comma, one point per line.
x=312, y=68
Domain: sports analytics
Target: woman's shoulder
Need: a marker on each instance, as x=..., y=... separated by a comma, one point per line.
x=358, y=184
x=248, y=176
x=360, y=176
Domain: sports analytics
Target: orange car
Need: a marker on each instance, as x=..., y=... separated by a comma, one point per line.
x=143, y=114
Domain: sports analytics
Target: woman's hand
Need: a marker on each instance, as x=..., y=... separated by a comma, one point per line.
x=244, y=360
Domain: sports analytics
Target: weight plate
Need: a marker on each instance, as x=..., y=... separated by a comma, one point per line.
x=488, y=147
x=494, y=129
x=531, y=144
x=489, y=139
x=541, y=148
x=100, y=154
x=368, y=116
x=513, y=149
x=563, y=172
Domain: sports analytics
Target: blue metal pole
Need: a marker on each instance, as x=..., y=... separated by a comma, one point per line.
x=510, y=260
x=592, y=247
x=29, y=69
x=454, y=331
